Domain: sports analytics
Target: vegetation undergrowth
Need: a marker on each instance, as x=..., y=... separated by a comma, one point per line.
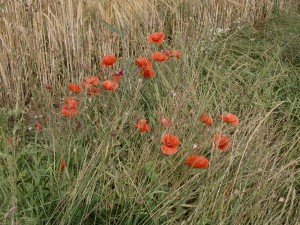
x=97, y=168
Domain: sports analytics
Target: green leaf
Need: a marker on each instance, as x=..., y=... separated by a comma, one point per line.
x=113, y=29
x=153, y=176
x=149, y=166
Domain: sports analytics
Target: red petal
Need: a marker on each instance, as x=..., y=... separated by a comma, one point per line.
x=168, y=150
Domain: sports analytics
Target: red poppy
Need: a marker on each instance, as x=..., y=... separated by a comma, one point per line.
x=196, y=161
x=221, y=141
x=170, y=140
x=90, y=84
x=156, y=37
x=166, y=122
x=38, y=127
x=158, y=56
x=69, y=108
x=62, y=164
x=74, y=88
x=88, y=81
x=110, y=85
x=207, y=119
x=142, y=126
x=168, y=150
x=108, y=60
x=68, y=112
x=143, y=62
x=147, y=72
x=174, y=53
x=230, y=118
x=70, y=103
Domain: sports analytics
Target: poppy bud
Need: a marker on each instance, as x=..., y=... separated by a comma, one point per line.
x=62, y=164
x=38, y=127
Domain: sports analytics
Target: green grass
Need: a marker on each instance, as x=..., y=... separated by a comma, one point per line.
x=115, y=175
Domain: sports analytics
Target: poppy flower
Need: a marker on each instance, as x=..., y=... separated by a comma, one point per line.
x=221, y=141
x=110, y=85
x=90, y=84
x=207, y=119
x=230, y=118
x=174, y=53
x=158, y=56
x=166, y=122
x=69, y=108
x=143, y=62
x=74, y=88
x=168, y=150
x=108, y=60
x=68, y=112
x=196, y=161
x=38, y=127
x=142, y=126
x=156, y=37
x=117, y=76
x=70, y=103
x=62, y=165
x=88, y=81
x=147, y=72
x=170, y=140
